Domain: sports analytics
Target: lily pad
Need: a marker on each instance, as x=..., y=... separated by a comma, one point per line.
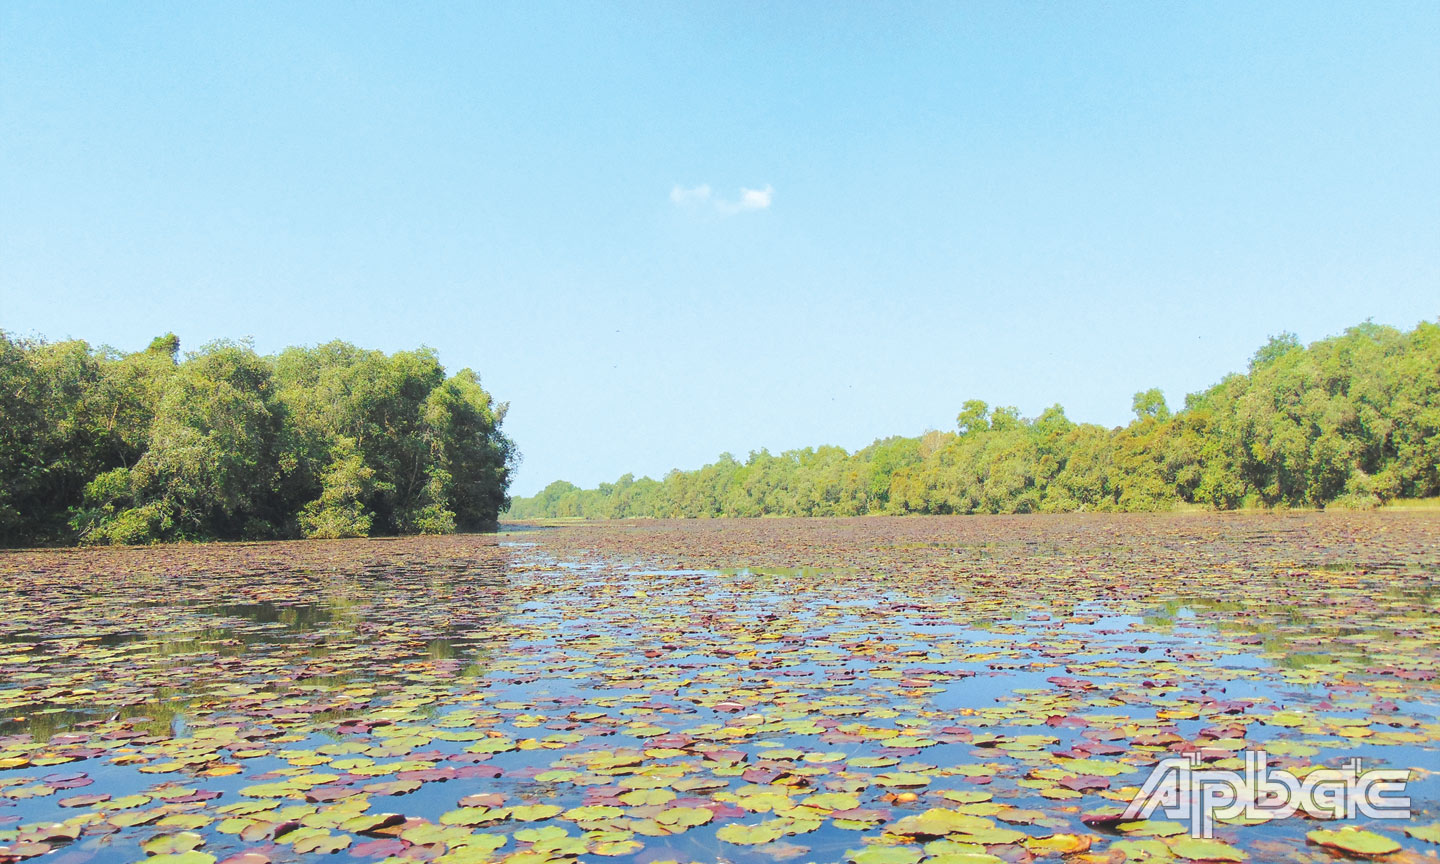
x=1354, y=842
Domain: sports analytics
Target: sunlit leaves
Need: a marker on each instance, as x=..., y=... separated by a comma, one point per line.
x=884, y=855
x=750, y=835
x=1197, y=849
x=173, y=843
x=1356, y=842
x=534, y=812
x=939, y=822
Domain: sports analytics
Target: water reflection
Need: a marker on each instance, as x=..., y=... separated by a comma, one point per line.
x=320, y=628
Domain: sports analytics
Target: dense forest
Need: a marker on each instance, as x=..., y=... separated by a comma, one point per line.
x=1351, y=421
x=97, y=446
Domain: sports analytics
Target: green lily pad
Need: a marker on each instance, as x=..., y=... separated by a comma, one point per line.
x=1199, y=849
x=1362, y=843
x=884, y=855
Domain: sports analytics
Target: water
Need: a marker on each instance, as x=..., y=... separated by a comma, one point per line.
x=223, y=679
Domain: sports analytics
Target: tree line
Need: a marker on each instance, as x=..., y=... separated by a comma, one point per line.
x=1350, y=421
x=98, y=446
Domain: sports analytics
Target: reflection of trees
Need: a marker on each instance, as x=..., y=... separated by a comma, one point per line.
x=155, y=716
x=1291, y=633
x=172, y=650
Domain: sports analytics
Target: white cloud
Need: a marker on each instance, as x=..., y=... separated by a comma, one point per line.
x=756, y=199
x=750, y=199
x=701, y=196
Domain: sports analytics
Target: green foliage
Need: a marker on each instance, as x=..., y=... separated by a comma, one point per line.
x=334, y=441
x=1351, y=422
x=1273, y=350
x=1150, y=403
x=344, y=487
x=973, y=417
x=165, y=346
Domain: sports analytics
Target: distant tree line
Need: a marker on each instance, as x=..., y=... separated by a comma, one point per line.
x=97, y=446
x=1351, y=421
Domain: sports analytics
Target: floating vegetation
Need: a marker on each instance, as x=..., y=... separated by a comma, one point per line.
x=881, y=691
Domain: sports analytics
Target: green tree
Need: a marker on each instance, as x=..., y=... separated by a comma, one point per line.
x=104, y=447
x=973, y=417
x=1150, y=404
x=1353, y=421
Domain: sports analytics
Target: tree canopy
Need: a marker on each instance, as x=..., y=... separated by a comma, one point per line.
x=1350, y=421
x=97, y=446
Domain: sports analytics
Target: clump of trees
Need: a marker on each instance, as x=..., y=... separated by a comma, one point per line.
x=97, y=446
x=1351, y=421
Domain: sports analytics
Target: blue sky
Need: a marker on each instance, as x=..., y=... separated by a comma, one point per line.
x=908, y=205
